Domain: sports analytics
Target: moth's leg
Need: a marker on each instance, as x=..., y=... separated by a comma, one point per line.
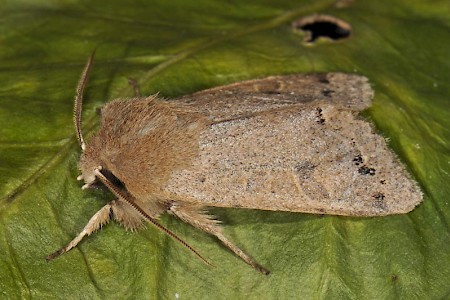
x=132, y=219
x=197, y=217
x=152, y=207
x=135, y=85
x=97, y=221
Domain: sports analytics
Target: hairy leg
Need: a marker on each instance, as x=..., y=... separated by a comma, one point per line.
x=97, y=221
x=197, y=217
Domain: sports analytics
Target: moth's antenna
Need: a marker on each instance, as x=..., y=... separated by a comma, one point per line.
x=130, y=201
x=79, y=100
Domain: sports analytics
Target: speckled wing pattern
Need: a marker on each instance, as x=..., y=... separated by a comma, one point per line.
x=293, y=143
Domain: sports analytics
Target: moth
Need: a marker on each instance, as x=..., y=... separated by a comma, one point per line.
x=284, y=143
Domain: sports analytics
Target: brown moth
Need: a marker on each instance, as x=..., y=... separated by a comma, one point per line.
x=289, y=143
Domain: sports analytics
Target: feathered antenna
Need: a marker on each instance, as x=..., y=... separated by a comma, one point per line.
x=79, y=100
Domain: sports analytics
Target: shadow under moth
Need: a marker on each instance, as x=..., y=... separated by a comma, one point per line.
x=284, y=143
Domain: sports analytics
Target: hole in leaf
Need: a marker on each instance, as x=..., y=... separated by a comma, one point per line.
x=322, y=26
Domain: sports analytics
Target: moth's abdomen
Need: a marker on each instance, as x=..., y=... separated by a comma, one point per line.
x=314, y=160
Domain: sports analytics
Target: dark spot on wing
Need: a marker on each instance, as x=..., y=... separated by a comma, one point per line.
x=379, y=202
x=327, y=92
x=358, y=160
x=320, y=118
x=379, y=196
x=364, y=170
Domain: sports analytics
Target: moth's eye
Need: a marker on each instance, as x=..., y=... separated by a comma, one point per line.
x=113, y=179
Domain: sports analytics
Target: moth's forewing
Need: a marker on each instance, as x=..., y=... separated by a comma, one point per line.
x=293, y=143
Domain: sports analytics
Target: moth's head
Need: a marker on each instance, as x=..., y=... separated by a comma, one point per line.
x=89, y=162
x=93, y=168
x=94, y=172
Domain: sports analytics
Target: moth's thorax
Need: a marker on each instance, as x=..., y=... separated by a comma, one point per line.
x=141, y=142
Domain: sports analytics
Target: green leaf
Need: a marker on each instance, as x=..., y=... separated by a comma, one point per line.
x=179, y=47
